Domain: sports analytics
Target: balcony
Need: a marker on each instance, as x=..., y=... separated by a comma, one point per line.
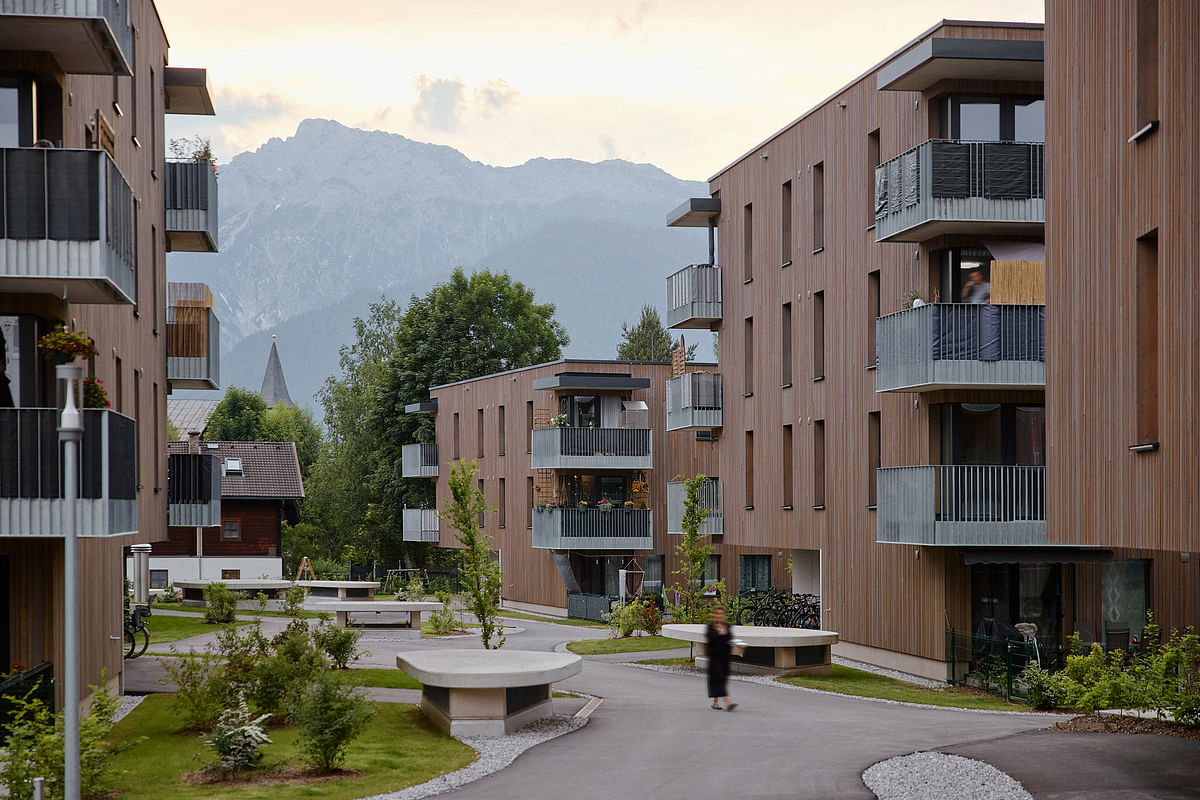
x=961, y=346
x=963, y=505
x=944, y=187
x=193, y=338
x=694, y=297
x=85, y=37
x=421, y=525
x=66, y=226
x=694, y=401
x=592, y=448
x=193, y=490
x=419, y=461
x=191, y=200
x=31, y=475
x=593, y=529
x=710, y=498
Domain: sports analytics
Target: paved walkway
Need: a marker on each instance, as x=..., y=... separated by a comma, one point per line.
x=655, y=736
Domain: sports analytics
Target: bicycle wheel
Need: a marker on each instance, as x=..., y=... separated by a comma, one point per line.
x=142, y=633
x=130, y=643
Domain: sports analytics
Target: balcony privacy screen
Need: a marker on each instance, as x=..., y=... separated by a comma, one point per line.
x=50, y=194
x=963, y=332
x=31, y=458
x=190, y=478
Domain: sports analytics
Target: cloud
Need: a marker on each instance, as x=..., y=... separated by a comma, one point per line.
x=438, y=101
x=496, y=94
x=237, y=108
x=627, y=26
x=608, y=145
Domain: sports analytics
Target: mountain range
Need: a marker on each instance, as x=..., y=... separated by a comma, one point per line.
x=316, y=226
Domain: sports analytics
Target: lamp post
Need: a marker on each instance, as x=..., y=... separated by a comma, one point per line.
x=70, y=432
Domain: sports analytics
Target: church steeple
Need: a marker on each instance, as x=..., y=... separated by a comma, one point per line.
x=274, y=387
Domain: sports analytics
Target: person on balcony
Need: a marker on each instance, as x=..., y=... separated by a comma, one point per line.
x=977, y=290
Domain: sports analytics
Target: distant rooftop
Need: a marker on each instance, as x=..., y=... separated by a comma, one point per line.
x=269, y=470
x=190, y=415
x=274, y=386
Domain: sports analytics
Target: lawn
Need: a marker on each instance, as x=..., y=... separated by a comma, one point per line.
x=243, y=612
x=165, y=629
x=846, y=680
x=400, y=748
x=631, y=644
x=383, y=678
x=579, y=623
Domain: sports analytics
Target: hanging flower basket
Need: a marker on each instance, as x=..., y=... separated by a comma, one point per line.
x=62, y=346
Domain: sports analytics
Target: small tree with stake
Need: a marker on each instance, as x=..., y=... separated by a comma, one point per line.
x=481, y=576
x=693, y=552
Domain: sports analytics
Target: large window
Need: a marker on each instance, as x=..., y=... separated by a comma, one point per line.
x=994, y=433
x=17, y=100
x=754, y=573
x=582, y=411
x=993, y=118
x=957, y=265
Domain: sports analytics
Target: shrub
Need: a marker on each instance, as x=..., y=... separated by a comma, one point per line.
x=650, y=617
x=221, y=608
x=330, y=714
x=293, y=600
x=203, y=689
x=340, y=644
x=236, y=739
x=242, y=650
x=414, y=589
x=169, y=595
x=443, y=621
x=282, y=676
x=262, y=599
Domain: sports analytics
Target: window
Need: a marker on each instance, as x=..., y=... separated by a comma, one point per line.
x=749, y=470
x=484, y=495
x=154, y=301
x=119, y=387
x=712, y=570
x=231, y=530
x=785, y=347
x=159, y=579
x=957, y=265
x=153, y=127
x=479, y=433
x=457, y=431
x=233, y=466
x=502, y=506
x=652, y=580
x=818, y=336
x=819, y=464
x=872, y=162
x=786, y=467
x=874, y=461
x=531, y=502
x=993, y=433
x=993, y=118
x=156, y=414
x=231, y=574
x=1147, y=64
x=748, y=358
x=500, y=429
x=748, y=243
x=17, y=117
x=754, y=573
x=872, y=354
x=818, y=184
x=133, y=99
x=785, y=225
x=1147, y=293
x=582, y=411
x=529, y=424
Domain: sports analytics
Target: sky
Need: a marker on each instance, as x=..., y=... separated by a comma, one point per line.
x=687, y=86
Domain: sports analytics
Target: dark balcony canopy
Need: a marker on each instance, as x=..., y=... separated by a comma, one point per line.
x=424, y=407
x=940, y=58
x=592, y=381
x=1036, y=555
x=188, y=91
x=91, y=39
x=696, y=212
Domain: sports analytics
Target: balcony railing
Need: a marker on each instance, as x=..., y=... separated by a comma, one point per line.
x=193, y=490
x=962, y=505
x=710, y=498
x=193, y=347
x=592, y=448
x=694, y=401
x=593, y=529
x=420, y=525
x=86, y=37
x=66, y=226
x=191, y=224
x=960, y=345
x=31, y=474
x=419, y=461
x=694, y=297
x=944, y=186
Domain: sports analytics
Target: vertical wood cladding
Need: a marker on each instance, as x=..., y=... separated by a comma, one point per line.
x=1120, y=351
x=259, y=524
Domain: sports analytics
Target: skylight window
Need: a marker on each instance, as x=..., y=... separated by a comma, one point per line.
x=233, y=466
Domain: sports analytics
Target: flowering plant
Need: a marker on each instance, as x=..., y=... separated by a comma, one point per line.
x=559, y=421
x=628, y=505
x=64, y=342
x=94, y=395
x=640, y=487
x=605, y=504
x=583, y=504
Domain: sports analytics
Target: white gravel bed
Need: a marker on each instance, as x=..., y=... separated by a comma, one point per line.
x=128, y=703
x=494, y=755
x=928, y=683
x=938, y=776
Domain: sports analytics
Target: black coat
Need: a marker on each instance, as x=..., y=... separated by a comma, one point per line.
x=718, y=659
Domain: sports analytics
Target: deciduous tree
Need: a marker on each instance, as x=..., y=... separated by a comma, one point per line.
x=480, y=575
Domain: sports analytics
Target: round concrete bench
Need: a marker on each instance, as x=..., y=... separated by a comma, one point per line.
x=772, y=651
x=341, y=590
x=487, y=692
x=192, y=591
x=413, y=611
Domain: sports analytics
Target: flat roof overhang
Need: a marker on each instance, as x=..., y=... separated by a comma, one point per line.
x=425, y=407
x=939, y=58
x=590, y=381
x=695, y=212
x=1036, y=555
x=188, y=91
x=81, y=45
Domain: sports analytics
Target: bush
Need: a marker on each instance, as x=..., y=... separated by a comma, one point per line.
x=169, y=595
x=261, y=598
x=330, y=714
x=639, y=614
x=293, y=600
x=340, y=644
x=650, y=617
x=221, y=608
x=242, y=650
x=236, y=739
x=203, y=690
x=414, y=589
x=442, y=621
x=282, y=677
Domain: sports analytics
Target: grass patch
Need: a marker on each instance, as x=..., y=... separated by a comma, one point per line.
x=242, y=612
x=384, y=678
x=858, y=683
x=172, y=629
x=632, y=644
x=400, y=748
x=578, y=623
x=669, y=662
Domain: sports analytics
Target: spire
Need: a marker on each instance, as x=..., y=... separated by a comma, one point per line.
x=274, y=387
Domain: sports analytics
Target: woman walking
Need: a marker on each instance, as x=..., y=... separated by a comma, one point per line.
x=719, y=635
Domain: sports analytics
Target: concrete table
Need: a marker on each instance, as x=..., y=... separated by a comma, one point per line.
x=769, y=651
x=192, y=591
x=413, y=610
x=342, y=590
x=487, y=692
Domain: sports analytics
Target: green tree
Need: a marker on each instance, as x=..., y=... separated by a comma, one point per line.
x=481, y=576
x=238, y=417
x=649, y=340
x=293, y=424
x=172, y=432
x=694, y=551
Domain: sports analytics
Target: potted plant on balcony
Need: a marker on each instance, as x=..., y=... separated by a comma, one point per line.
x=62, y=346
x=560, y=421
x=605, y=505
x=94, y=395
x=628, y=506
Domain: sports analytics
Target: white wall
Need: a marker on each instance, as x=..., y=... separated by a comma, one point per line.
x=806, y=571
x=188, y=568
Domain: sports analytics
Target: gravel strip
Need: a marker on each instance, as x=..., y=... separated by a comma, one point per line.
x=928, y=683
x=128, y=703
x=937, y=776
x=494, y=755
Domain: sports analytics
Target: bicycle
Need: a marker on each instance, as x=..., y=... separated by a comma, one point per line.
x=135, y=624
